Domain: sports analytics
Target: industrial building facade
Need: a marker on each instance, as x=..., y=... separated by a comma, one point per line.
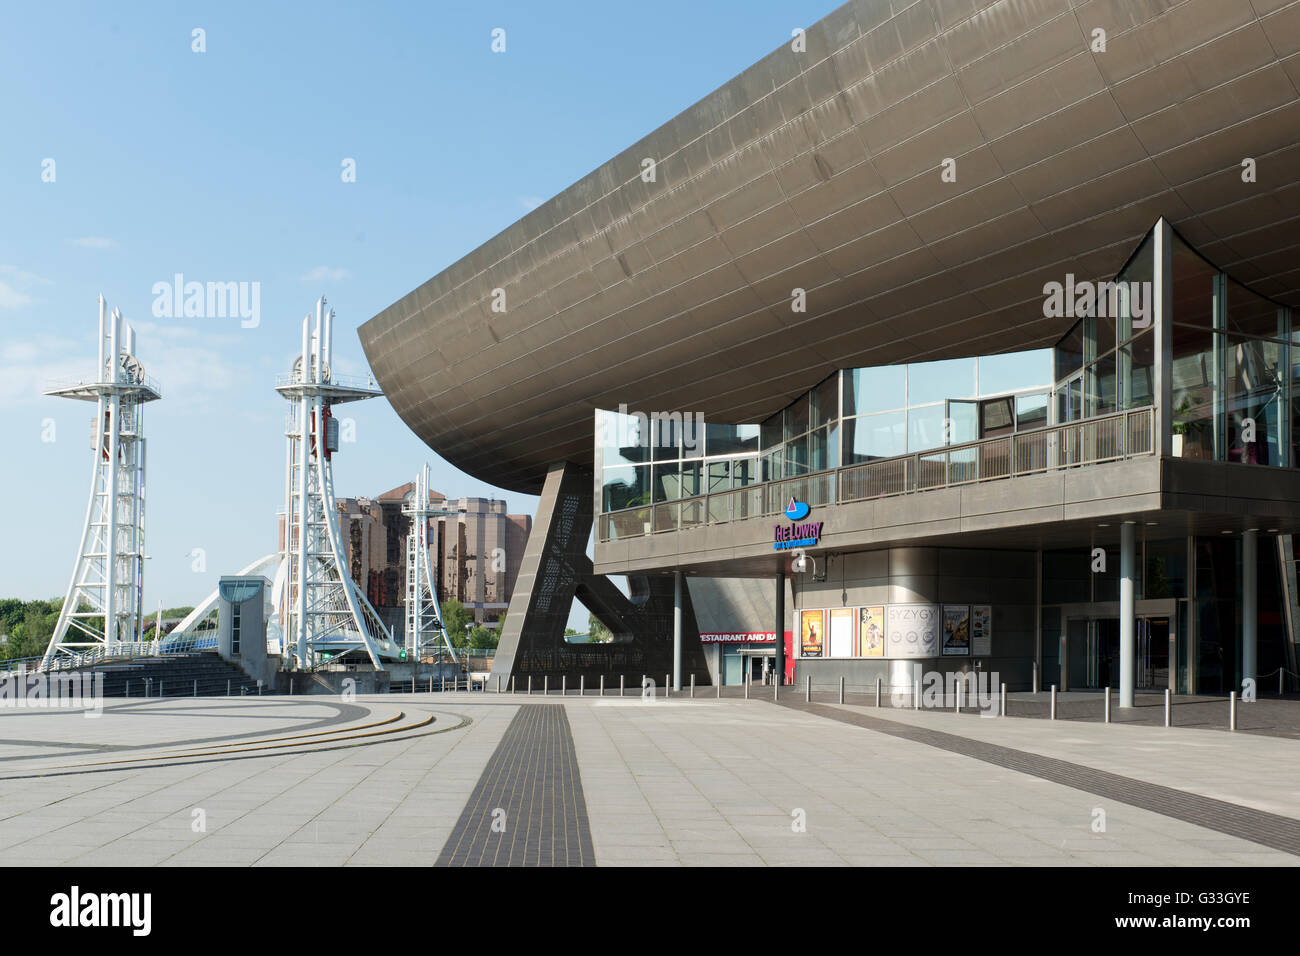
x=475, y=551
x=963, y=328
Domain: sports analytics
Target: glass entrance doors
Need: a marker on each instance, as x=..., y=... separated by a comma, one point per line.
x=1094, y=658
x=1153, y=652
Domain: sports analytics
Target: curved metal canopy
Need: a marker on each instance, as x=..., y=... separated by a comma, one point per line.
x=822, y=170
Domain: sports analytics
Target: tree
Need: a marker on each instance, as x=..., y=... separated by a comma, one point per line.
x=483, y=638
x=600, y=634
x=454, y=619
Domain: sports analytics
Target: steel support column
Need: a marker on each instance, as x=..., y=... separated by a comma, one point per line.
x=1127, y=615
x=1249, y=605
x=677, y=630
x=780, y=628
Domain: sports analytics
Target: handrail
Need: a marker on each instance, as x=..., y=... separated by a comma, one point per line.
x=1114, y=437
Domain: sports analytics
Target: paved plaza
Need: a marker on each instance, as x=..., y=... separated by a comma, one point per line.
x=474, y=779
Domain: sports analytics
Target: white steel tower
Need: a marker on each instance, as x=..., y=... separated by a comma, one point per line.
x=322, y=609
x=424, y=624
x=104, y=602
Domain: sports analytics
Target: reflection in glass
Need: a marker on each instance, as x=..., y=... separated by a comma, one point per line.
x=626, y=487
x=925, y=427
x=938, y=381
x=1253, y=401
x=875, y=436
x=1192, y=388
x=730, y=439
x=1031, y=411
x=1015, y=371
x=879, y=389
x=826, y=401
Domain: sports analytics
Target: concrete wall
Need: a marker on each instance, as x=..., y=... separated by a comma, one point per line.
x=1003, y=579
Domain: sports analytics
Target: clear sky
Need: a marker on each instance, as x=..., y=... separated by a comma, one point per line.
x=227, y=166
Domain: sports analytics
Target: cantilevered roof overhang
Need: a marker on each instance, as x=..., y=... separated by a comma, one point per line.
x=821, y=171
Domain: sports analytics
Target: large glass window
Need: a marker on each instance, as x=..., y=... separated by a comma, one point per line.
x=880, y=389
x=939, y=381
x=875, y=436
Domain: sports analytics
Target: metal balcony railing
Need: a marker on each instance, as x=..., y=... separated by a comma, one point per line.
x=1091, y=441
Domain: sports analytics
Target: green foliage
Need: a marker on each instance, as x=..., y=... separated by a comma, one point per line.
x=29, y=624
x=600, y=634
x=483, y=638
x=454, y=619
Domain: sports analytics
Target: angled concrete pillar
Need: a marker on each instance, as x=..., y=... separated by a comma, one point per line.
x=555, y=569
x=1127, y=615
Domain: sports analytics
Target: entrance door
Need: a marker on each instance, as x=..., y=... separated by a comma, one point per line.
x=1153, y=653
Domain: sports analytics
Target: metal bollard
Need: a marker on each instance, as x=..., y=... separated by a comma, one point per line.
x=602, y=685
x=530, y=685
x=916, y=695
x=956, y=697
x=776, y=692
x=1106, y=719
x=747, y=682
x=1232, y=710
x=126, y=688
x=877, y=691
x=807, y=689
x=1168, y=713
x=620, y=684
x=718, y=687
x=564, y=685
x=546, y=685
x=692, y=685
x=668, y=678
x=1053, y=715
x=160, y=688
x=582, y=685
x=1004, y=700
x=227, y=688
x=498, y=683
x=196, y=687
x=1035, y=677
x=841, y=688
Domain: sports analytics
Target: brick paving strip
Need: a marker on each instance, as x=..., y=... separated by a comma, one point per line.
x=533, y=776
x=1258, y=826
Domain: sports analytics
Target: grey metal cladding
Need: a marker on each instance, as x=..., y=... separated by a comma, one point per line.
x=822, y=171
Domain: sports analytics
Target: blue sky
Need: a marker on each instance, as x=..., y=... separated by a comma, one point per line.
x=225, y=166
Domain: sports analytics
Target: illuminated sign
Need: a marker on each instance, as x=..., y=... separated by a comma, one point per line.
x=796, y=535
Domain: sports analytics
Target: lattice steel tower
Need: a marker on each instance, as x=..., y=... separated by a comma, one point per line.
x=104, y=602
x=323, y=609
x=424, y=623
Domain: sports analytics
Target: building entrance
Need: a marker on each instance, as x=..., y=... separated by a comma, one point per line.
x=1094, y=657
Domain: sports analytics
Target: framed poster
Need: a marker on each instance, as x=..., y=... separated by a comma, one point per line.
x=812, y=630
x=841, y=633
x=956, y=630
x=871, y=632
x=981, y=630
x=911, y=630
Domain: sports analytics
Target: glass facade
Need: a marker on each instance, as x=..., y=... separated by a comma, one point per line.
x=1233, y=367
x=653, y=459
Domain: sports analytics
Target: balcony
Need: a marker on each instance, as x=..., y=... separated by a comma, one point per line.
x=1092, y=441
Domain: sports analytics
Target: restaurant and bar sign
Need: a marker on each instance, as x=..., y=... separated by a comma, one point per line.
x=798, y=533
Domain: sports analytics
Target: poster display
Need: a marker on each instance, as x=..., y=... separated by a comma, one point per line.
x=841, y=633
x=956, y=630
x=894, y=631
x=981, y=630
x=912, y=630
x=812, y=629
x=871, y=632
